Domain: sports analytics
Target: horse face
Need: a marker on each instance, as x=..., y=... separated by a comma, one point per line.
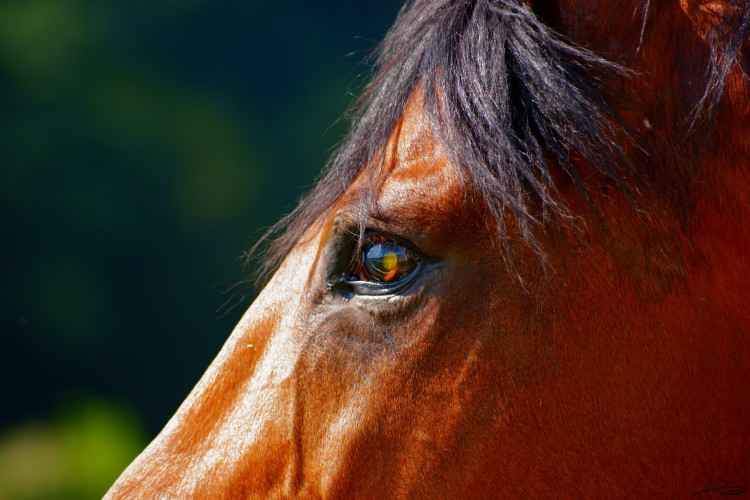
x=321, y=385
x=465, y=380
x=618, y=366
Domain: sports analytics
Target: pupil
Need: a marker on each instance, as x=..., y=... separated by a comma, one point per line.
x=382, y=260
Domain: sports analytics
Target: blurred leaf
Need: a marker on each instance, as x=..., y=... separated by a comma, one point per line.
x=78, y=455
x=40, y=39
x=215, y=173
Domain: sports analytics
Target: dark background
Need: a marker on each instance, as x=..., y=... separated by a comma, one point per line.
x=144, y=145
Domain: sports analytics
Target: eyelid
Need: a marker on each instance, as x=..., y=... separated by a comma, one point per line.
x=371, y=235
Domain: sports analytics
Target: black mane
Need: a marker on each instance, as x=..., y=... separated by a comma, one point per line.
x=505, y=93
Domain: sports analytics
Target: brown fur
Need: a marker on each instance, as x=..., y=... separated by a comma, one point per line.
x=620, y=368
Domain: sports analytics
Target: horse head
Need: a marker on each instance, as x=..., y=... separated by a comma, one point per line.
x=525, y=272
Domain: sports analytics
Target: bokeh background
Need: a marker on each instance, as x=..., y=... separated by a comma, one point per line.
x=144, y=145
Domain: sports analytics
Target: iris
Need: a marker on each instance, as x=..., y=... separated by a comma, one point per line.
x=385, y=262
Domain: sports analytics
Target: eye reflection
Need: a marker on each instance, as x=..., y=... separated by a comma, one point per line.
x=385, y=262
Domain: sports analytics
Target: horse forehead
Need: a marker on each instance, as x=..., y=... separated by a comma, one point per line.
x=419, y=172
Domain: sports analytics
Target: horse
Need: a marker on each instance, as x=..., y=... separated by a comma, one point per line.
x=524, y=272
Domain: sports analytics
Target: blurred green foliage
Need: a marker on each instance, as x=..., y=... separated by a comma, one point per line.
x=77, y=455
x=143, y=146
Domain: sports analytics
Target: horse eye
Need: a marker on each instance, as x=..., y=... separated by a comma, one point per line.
x=385, y=262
